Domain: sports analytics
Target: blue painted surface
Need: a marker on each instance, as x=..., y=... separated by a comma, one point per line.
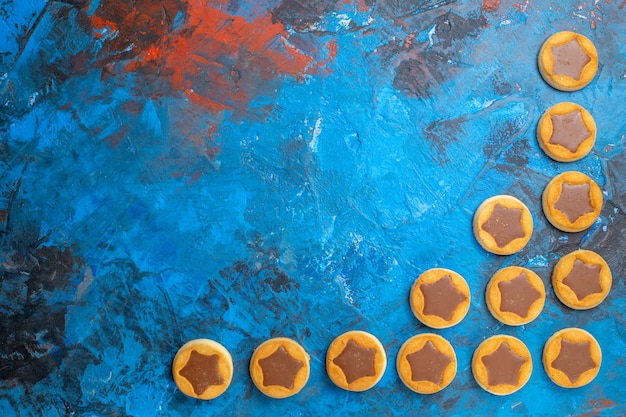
x=159, y=185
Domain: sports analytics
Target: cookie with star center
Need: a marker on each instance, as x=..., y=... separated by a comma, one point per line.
x=202, y=368
x=502, y=365
x=568, y=61
x=572, y=357
x=572, y=201
x=440, y=298
x=515, y=295
x=566, y=132
x=356, y=361
x=279, y=367
x=582, y=279
x=426, y=363
x=502, y=225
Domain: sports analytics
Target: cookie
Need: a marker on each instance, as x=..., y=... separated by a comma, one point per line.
x=426, y=363
x=566, y=132
x=502, y=225
x=581, y=279
x=279, y=367
x=203, y=369
x=572, y=201
x=355, y=361
x=440, y=298
x=568, y=61
x=515, y=295
x=502, y=365
x=572, y=357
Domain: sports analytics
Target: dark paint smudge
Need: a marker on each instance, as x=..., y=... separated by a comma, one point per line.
x=442, y=133
x=516, y=156
x=301, y=15
x=421, y=76
x=35, y=330
x=400, y=8
x=502, y=135
x=133, y=29
x=219, y=61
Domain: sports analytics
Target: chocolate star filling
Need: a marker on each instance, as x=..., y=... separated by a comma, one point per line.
x=280, y=368
x=503, y=366
x=428, y=364
x=568, y=130
x=574, y=201
x=569, y=59
x=356, y=361
x=584, y=279
x=574, y=359
x=504, y=225
x=202, y=371
x=517, y=295
x=441, y=298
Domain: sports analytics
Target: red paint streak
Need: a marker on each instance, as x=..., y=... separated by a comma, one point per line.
x=490, y=5
x=223, y=60
x=522, y=7
x=361, y=5
x=101, y=24
x=621, y=6
x=332, y=50
x=218, y=61
x=116, y=138
x=597, y=406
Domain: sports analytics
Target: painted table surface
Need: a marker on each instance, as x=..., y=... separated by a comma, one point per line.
x=239, y=170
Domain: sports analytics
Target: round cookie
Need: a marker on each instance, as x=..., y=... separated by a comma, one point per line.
x=355, y=361
x=572, y=201
x=279, y=367
x=581, y=279
x=440, y=298
x=203, y=369
x=502, y=225
x=568, y=61
x=572, y=357
x=502, y=364
x=426, y=363
x=566, y=132
x=515, y=295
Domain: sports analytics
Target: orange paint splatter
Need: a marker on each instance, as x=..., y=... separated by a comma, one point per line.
x=223, y=59
x=522, y=7
x=490, y=5
x=218, y=60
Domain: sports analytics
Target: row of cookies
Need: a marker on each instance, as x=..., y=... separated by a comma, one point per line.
x=571, y=202
x=567, y=61
x=515, y=296
x=566, y=132
x=356, y=361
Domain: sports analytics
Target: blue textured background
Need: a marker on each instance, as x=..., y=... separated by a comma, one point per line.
x=241, y=170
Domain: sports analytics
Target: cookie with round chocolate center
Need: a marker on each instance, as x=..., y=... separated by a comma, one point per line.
x=426, y=363
x=502, y=364
x=572, y=201
x=572, y=357
x=515, y=295
x=440, y=298
x=356, y=361
x=568, y=61
x=582, y=279
x=280, y=367
x=566, y=132
x=502, y=225
x=203, y=369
